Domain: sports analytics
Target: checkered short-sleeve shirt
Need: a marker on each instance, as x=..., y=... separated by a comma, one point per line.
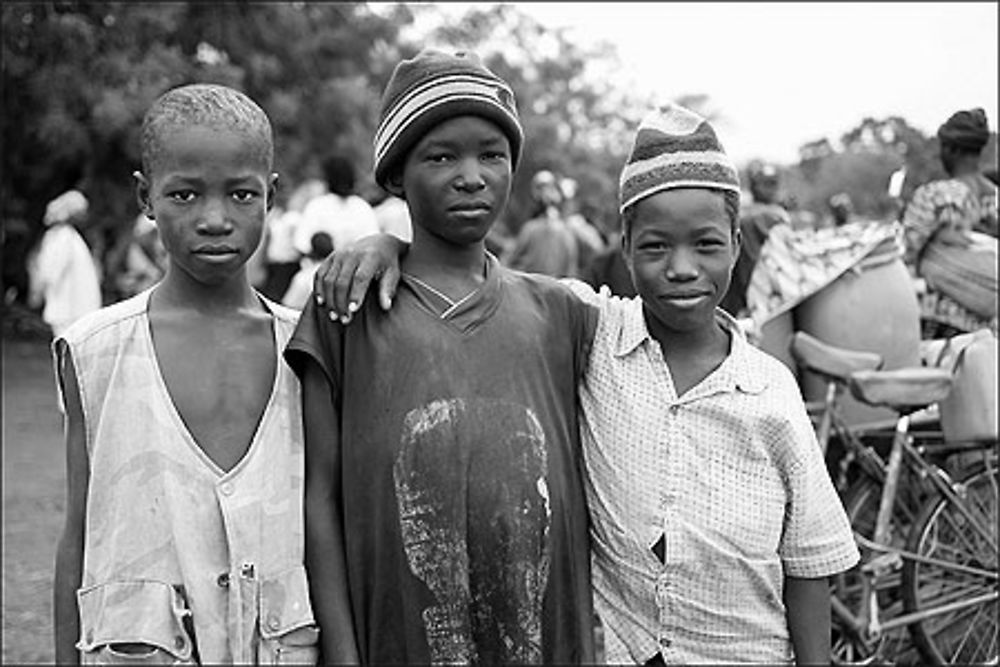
x=728, y=475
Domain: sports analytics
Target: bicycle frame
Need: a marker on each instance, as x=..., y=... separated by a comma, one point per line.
x=868, y=625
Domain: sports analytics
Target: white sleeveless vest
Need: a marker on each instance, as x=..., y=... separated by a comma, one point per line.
x=174, y=544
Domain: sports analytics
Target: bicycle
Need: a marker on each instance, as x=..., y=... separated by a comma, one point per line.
x=929, y=544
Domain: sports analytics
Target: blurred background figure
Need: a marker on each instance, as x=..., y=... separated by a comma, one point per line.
x=950, y=225
x=64, y=279
x=281, y=255
x=545, y=243
x=341, y=213
x=589, y=242
x=145, y=260
x=301, y=286
x=393, y=215
x=841, y=209
x=757, y=218
x=608, y=267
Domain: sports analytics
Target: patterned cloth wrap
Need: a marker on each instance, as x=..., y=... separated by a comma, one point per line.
x=794, y=264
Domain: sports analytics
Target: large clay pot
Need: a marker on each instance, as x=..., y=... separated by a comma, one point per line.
x=776, y=339
x=871, y=308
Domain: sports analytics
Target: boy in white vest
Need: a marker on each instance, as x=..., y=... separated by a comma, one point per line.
x=183, y=541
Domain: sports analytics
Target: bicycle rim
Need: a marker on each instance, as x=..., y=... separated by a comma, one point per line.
x=967, y=635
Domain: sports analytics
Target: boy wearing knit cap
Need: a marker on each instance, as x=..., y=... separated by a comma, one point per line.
x=443, y=497
x=714, y=521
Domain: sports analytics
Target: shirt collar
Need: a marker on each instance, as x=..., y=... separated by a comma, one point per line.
x=736, y=372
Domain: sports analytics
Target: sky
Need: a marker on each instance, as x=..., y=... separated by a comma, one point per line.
x=783, y=74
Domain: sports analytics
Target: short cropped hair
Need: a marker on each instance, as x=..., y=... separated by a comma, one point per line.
x=732, y=202
x=209, y=105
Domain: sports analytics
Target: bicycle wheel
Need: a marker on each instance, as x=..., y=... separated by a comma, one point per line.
x=861, y=501
x=967, y=634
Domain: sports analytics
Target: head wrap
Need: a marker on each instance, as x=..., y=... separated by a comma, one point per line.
x=67, y=206
x=966, y=129
x=432, y=87
x=675, y=148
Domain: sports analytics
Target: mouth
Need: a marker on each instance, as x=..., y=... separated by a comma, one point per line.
x=685, y=299
x=216, y=252
x=470, y=209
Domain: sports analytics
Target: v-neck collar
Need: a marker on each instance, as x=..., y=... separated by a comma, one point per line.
x=175, y=414
x=471, y=311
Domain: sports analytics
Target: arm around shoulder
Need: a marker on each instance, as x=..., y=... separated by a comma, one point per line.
x=324, y=542
x=69, y=552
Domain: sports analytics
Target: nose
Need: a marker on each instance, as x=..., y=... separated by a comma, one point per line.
x=215, y=218
x=682, y=265
x=470, y=176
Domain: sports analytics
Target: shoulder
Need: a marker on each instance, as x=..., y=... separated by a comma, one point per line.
x=96, y=323
x=547, y=291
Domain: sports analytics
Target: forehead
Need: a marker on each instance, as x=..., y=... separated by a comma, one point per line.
x=468, y=129
x=681, y=207
x=205, y=151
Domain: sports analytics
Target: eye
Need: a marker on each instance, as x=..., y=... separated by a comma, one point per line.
x=438, y=157
x=181, y=196
x=494, y=156
x=711, y=244
x=245, y=196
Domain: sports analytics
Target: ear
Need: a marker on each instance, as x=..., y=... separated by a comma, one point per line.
x=394, y=183
x=737, y=244
x=272, y=190
x=142, y=194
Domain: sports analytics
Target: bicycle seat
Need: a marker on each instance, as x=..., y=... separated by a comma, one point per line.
x=905, y=390
x=829, y=360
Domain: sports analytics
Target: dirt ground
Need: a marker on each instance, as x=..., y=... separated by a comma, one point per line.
x=33, y=499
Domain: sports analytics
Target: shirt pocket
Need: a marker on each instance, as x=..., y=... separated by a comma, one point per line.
x=134, y=612
x=289, y=635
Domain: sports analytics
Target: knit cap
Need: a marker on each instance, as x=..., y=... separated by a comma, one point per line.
x=675, y=148
x=432, y=87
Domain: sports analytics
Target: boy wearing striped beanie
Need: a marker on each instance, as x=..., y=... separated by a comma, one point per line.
x=446, y=514
x=699, y=450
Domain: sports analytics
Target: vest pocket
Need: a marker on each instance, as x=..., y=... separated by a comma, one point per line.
x=289, y=635
x=133, y=622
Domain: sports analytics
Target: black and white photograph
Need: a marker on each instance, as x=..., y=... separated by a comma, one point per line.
x=625, y=333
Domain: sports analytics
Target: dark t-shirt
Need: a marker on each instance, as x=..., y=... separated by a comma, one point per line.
x=464, y=517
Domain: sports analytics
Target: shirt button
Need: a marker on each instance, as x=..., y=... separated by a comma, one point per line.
x=226, y=489
x=673, y=409
x=223, y=580
x=665, y=643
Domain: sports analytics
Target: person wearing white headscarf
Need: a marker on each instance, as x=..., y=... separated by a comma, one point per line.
x=63, y=276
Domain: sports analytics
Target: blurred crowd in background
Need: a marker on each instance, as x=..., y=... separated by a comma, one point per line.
x=77, y=76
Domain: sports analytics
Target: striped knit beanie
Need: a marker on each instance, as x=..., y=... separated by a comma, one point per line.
x=432, y=87
x=675, y=148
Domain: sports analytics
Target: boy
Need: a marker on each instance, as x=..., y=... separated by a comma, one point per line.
x=442, y=452
x=714, y=522
x=183, y=540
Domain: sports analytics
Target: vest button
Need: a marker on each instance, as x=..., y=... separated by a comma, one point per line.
x=179, y=642
x=273, y=623
x=223, y=580
x=226, y=489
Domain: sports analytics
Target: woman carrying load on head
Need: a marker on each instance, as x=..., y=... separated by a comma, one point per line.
x=950, y=225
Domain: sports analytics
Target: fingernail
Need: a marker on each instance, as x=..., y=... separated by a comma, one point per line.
x=319, y=300
x=345, y=319
x=352, y=307
x=333, y=316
